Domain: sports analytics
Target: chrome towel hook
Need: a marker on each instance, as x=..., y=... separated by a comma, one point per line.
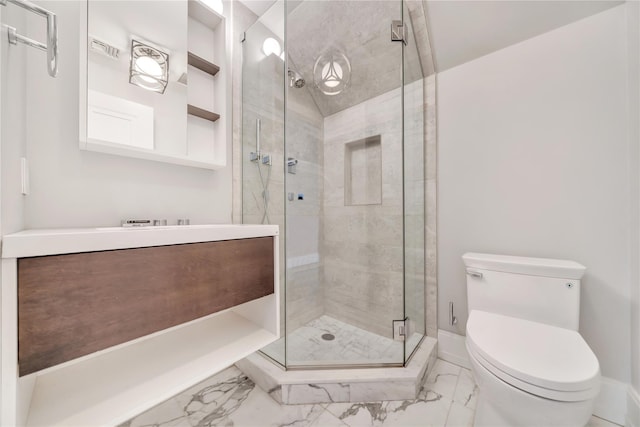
x=51, y=47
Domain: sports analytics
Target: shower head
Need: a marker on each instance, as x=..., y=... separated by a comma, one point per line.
x=295, y=79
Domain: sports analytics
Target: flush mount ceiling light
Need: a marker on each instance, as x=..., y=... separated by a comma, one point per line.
x=271, y=46
x=149, y=67
x=332, y=73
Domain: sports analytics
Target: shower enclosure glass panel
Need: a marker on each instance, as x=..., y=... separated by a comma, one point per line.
x=346, y=184
x=263, y=93
x=414, y=92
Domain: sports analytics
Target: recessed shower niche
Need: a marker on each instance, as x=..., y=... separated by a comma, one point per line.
x=363, y=172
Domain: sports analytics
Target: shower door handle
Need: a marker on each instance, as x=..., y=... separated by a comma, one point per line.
x=51, y=47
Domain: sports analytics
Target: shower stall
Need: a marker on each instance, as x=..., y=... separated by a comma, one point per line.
x=337, y=138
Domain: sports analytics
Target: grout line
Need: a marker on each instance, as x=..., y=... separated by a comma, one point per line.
x=312, y=420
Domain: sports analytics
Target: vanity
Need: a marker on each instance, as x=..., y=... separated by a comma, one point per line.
x=99, y=325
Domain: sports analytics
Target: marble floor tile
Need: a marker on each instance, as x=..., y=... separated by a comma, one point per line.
x=359, y=414
x=327, y=419
x=466, y=391
x=230, y=398
x=417, y=412
x=459, y=416
x=167, y=414
x=261, y=410
x=214, y=401
x=443, y=378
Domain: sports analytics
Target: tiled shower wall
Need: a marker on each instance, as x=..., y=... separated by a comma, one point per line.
x=362, y=245
x=431, y=192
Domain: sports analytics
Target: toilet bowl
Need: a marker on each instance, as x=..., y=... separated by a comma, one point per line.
x=529, y=373
x=531, y=365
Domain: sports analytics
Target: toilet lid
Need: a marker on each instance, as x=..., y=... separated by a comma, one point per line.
x=533, y=353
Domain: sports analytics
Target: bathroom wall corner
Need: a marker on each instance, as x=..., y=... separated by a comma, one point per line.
x=633, y=408
x=611, y=402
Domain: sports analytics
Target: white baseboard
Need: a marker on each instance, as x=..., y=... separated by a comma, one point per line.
x=452, y=349
x=611, y=404
x=633, y=408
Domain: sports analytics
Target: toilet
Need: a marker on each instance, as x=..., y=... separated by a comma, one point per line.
x=531, y=365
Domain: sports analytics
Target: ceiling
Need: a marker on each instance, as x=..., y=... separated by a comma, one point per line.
x=258, y=6
x=465, y=30
x=458, y=31
x=318, y=27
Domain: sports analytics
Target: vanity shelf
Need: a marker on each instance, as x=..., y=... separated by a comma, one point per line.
x=202, y=64
x=109, y=386
x=203, y=114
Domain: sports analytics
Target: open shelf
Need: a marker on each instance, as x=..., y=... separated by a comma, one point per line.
x=203, y=114
x=122, y=150
x=112, y=387
x=202, y=64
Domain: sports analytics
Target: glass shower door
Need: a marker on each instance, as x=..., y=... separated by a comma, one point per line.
x=344, y=185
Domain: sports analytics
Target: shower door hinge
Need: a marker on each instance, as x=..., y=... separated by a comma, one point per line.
x=398, y=31
x=400, y=329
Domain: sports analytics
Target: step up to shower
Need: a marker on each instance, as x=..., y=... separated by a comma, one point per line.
x=342, y=385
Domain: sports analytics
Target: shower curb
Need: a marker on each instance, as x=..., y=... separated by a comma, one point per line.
x=342, y=385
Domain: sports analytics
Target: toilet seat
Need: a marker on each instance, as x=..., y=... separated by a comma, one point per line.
x=544, y=360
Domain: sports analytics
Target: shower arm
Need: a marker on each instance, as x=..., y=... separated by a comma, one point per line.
x=51, y=47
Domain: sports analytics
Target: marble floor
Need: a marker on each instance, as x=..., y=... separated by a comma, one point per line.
x=351, y=345
x=230, y=398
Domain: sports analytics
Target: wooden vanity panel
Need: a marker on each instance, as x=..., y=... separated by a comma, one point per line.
x=76, y=304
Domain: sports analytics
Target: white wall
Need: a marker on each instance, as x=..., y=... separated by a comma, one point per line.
x=533, y=161
x=12, y=125
x=73, y=188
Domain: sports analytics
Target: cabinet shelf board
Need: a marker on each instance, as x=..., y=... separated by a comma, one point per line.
x=203, y=64
x=121, y=150
x=203, y=114
x=112, y=387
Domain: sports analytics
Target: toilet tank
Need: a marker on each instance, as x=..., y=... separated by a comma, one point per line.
x=537, y=289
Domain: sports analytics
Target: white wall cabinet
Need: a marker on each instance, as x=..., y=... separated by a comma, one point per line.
x=191, y=120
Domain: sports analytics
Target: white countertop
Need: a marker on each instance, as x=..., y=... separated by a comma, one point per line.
x=30, y=243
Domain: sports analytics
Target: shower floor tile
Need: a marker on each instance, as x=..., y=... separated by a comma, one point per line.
x=350, y=345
